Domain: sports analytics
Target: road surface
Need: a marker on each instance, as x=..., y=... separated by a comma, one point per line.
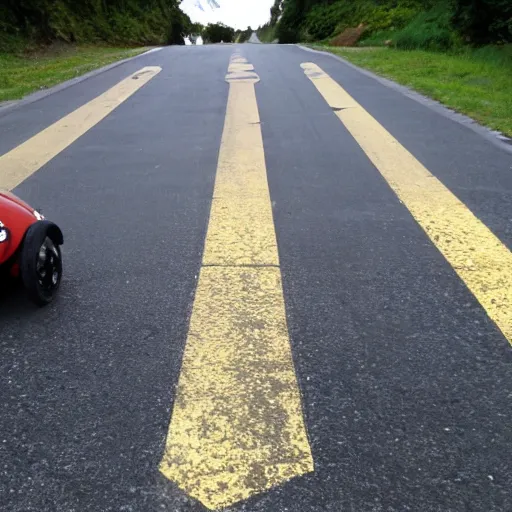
x=254, y=38
x=287, y=288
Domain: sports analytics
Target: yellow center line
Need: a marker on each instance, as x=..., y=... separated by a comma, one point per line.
x=480, y=259
x=237, y=426
x=20, y=163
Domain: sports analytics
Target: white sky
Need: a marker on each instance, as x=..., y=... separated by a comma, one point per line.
x=234, y=13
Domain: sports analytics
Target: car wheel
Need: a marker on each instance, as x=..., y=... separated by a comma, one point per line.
x=41, y=263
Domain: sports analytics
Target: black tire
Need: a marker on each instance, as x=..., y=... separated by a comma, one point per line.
x=41, y=262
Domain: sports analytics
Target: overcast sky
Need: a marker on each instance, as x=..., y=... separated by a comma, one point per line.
x=235, y=13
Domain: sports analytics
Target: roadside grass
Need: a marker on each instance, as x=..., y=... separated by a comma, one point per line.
x=267, y=33
x=23, y=74
x=477, y=83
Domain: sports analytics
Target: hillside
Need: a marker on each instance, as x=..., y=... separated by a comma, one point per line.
x=117, y=22
x=430, y=24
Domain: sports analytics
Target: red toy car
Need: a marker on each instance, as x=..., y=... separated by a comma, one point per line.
x=29, y=249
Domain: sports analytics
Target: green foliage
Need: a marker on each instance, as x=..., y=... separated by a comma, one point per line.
x=241, y=36
x=267, y=33
x=218, y=32
x=321, y=21
x=431, y=30
x=275, y=12
x=432, y=24
x=112, y=21
x=484, y=21
x=327, y=20
x=289, y=27
x=495, y=56
x=317, y=20
x=287, y=34
x=12, y=43
x=378, y=38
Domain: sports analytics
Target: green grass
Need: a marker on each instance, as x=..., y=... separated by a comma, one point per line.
x=21, y=75
x=477, y=83
x=378, y=38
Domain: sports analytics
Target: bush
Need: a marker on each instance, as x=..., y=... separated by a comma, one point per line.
x=217, y=32
x=484, y=21
x=287, y=35
x=267, y=33
x=323, y=19
x=378, y=38
x=430, y=30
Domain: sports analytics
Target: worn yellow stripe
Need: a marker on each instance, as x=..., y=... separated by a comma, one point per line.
x=237, y=426
x=481, y=260
x=241, y=229
x=27, y=158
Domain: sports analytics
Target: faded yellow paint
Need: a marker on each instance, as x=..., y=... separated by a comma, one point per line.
x=241, y=229
x=20, y=163
x=237, y=427
x=241, y=232
x=480, y=259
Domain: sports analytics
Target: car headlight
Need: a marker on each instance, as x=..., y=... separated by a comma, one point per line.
x=3, y=233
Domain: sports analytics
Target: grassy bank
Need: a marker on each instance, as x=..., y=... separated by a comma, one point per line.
x=21, y=75
x=477, y=83
x=267, y=33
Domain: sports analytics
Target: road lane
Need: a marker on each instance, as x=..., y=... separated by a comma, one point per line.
x=238, y=430
x=86, y=387
x=481, y=260
x=22, y=122
x=405, y=381
x=21, y=162
x=476, y=171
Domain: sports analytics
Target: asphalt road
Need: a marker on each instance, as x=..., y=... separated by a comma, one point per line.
x=400, y=376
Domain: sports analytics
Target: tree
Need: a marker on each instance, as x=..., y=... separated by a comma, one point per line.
x=218, y=32
x=484, y=21
x=275, y=12
x=241, y=36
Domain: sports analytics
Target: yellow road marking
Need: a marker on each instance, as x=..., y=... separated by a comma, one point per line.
x=237, y=427
x=481, y=260
x=20, y=163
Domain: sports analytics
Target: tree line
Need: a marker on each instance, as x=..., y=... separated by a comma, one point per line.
x=111, y=21
x=127, y=22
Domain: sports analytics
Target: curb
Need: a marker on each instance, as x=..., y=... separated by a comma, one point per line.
x=495, y=137
x=8, y=106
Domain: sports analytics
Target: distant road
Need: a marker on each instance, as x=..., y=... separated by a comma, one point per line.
x=254, y=38
x=287, y=287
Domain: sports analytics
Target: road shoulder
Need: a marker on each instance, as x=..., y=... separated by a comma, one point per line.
x=8, y=106
x=493, y=136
